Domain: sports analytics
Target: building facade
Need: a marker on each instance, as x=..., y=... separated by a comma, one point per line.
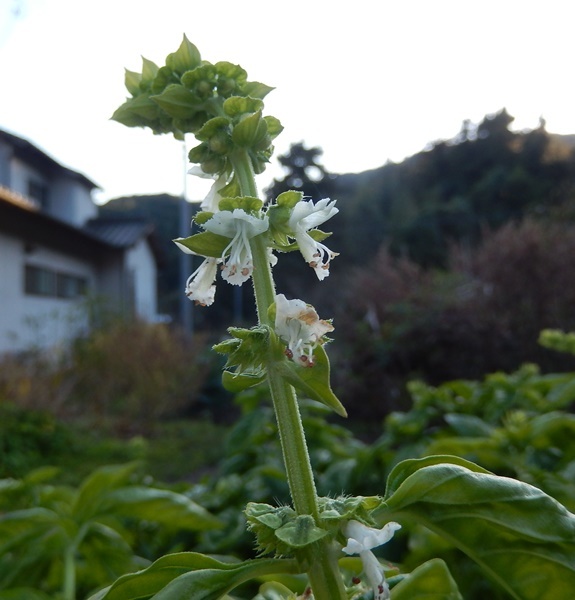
x=58, y=259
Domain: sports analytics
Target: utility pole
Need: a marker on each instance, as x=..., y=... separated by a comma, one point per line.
x=186, y=262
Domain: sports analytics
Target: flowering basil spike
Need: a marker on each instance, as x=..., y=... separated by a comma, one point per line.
x=306, y=216
x=200, y=286
x=240, y=226
x=300, y=327
x=362, y=540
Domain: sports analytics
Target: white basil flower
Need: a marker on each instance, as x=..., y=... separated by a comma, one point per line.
x=200, y=286
x=299, y=325
x=241, y=227
x=211, y=202
x=361, y=540
x=306, y=216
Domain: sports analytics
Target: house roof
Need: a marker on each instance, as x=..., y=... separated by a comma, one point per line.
x=30, y=153
x=119, y=232
x=124, y=232
x=36, y=227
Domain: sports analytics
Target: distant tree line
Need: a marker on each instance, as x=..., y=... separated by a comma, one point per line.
x=424, y=295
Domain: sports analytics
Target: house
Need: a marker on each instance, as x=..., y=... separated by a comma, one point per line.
x=58, y=259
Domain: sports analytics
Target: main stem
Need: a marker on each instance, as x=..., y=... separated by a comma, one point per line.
x=323, y=570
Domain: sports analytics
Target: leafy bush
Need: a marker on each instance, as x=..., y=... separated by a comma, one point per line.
x=67, y=541
x=132, y=373
x=484, y=315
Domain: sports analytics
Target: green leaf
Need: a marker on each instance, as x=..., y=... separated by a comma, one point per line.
x=93, y=490
x=190, y=576
x=162, y=506
x=186, y=57
x=205, y=243
x=23, y=593
x=314, y=381
x=273, y=590
x=522, y=538
x=468, y=425
x=430, y=581
x=177, y=101
x=136, y=112
x=238, y=382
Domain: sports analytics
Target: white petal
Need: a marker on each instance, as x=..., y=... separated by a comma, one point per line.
x=369, y=537
x=310, y=216
x=300, y=327
x=199, y=172
x=373, y=571
x=200, y=286
x=226, y=223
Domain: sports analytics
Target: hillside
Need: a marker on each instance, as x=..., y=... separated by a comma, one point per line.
x=451, y=193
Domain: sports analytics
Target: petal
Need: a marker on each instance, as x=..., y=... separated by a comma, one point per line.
x=308, y=215
x=227, y=223
x=369, y=537
x=373, y=570
x=200, y=286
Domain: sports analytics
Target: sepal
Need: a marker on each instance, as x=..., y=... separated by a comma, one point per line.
x=177, y=101
x=251, y=132
x=247, y=352
x=247, y=203
x=186, y=57
x=280, y=530
x=205, y=244
x=255, y=89
x=239, y=105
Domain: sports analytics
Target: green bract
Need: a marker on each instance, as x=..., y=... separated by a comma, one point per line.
x=313, y=382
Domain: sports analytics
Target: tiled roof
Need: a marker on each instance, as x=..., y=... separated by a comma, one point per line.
x=119, y=232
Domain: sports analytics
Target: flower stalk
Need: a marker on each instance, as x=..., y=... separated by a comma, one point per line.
x=324, y=574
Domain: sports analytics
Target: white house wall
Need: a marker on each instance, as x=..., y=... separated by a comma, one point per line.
x=71, y=202
x=20, y=176
x=29, y=321
x=142, y=265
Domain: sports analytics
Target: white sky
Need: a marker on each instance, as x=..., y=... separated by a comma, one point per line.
x=368, y=80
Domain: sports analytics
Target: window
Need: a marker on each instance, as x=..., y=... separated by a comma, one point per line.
x=39, y=281
x=70, y=286
x=38, y=192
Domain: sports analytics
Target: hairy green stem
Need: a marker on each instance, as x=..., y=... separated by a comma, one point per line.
x=323, y=572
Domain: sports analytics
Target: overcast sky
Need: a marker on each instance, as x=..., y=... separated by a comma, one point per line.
x=368, y=81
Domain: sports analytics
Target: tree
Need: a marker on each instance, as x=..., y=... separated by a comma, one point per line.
x=304, y=173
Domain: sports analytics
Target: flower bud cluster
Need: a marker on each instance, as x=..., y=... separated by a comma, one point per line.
x=215, y=102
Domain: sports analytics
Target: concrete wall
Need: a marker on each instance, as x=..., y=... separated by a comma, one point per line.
x=28, y=321
x=141, y=264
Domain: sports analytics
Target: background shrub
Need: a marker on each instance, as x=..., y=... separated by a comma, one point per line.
x=484, y=314
x=129, y=373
